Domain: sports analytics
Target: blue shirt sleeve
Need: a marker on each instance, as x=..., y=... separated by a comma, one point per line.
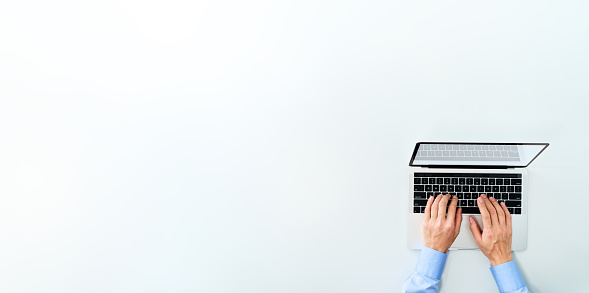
x=428, y=272
x=508, y=278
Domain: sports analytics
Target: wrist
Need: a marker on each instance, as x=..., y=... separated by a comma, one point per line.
x=501, y=260
x=438, y=248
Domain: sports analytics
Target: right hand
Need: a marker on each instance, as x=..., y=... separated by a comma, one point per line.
x=495, y=240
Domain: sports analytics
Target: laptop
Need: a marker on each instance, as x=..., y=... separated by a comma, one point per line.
x=468, y=170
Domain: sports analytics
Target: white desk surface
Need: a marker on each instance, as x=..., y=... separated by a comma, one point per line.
x=232, y=146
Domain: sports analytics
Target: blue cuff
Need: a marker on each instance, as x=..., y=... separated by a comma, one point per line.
x=507, y=277
x=431, y=263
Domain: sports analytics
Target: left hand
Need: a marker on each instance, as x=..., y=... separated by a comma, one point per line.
x=440, y=230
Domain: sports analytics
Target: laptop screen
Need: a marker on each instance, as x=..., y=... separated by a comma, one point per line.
x=463, y=154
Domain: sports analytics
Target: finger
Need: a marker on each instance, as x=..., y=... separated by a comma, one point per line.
x=474, y=229
x=499, y=210
x=484, y=212
x=442, y=206
x=507, y=215
x=452, y=209
x=435, y=207
x=428, y=208
x=458, y=221
x=492, y=211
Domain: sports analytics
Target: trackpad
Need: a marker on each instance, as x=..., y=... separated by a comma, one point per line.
x=465, y=240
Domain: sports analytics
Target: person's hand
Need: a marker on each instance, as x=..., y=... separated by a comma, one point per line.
x=440, y=230
x=495, y=241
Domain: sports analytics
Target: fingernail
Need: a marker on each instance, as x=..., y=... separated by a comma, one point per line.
x=454, y=196
x=483, y=195
x=491, y=198
x=480, y=199
x=471, y=220
x=502, y=203
x=430, y=198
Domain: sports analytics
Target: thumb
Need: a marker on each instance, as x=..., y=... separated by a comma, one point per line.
x=474, y=228
x=458, y=221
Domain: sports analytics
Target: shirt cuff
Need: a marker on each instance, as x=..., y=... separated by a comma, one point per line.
x=431, y=263
x=507, y=277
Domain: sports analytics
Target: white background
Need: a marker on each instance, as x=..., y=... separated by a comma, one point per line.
x=262, y=146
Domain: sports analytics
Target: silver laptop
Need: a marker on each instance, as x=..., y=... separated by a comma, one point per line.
x=468, y=170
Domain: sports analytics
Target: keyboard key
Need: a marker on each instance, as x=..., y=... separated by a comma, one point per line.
x=487, y=188
x=446, y=181
x=461, y=181
x=477, y=181
x=469, y=181
x=432, y=181
x=450, y=188
x=454, y=181
x=440, y=181
x=495, y=188
x=470, y=210
x=467, y=196
x=428, y=188
x=419, y=195
x=463, y=203
x=484, y=181
x=511, y=211
x=480, y=188
x=458, y=188
x=515, y=196
x=436, y=188
x=422, y=210
x=518, y=188
x=513, y=204
x=517, y=211
x=502, y=188
x=443, y=188
x=416, y=210
x=472, y=202
x=499, y=181
x=491, y=181
x=516, y=182
x=418, y=187
x=419, y=202
x=429, y=194
x=417, y=180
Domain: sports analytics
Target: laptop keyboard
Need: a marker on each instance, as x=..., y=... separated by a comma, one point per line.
x=468, y=187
